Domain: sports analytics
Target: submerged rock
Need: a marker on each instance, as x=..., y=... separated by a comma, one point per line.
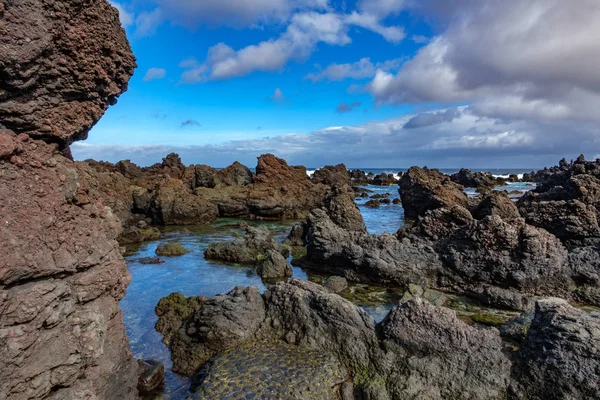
x=152, y=377
x=171, y=250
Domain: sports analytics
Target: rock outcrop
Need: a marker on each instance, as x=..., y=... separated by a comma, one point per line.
x=467, y=178
x=248, y=250
x=560, y=356
x=418, y=351
x=423, y=189
x=62, y=64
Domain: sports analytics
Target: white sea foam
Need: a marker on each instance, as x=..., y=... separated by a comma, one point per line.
x=520, y=176
x=310, y=172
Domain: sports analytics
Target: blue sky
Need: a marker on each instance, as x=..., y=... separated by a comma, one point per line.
x=373, y=83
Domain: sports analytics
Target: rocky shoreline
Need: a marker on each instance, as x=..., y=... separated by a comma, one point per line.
x=64, y=223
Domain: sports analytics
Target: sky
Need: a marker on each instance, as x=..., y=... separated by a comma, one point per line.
x=370, y=83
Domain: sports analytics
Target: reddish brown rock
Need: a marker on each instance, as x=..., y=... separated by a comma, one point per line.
x=61, y=277
x=62, y=64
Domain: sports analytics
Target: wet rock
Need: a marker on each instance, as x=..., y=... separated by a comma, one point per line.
x=559, y=358
x=150, y=260
x=248, y=250
x=271, y=369
x=171, y=250
x=373, y=204
x=423, y=189
x=274, y=266
x=516, y=329
x=336, y=284
x=152, y=377
x=196, y=334
x=297, y=235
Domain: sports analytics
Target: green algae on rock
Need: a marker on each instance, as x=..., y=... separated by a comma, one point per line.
x=271, y=370
x=171, y=250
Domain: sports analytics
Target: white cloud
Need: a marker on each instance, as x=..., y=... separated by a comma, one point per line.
x=393, y=34
x=126, y=17
x=419, y=39
x=360, y=69
x=382, y=8
x=154, y=73
x=299, y=40
x=458, y=137
x=532, y=59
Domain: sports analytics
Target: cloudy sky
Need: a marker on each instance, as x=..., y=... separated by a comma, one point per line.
x=371, y=83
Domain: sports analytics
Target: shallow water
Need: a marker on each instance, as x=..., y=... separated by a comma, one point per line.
x=388, y=217
x=189, y=274
x=192, y=275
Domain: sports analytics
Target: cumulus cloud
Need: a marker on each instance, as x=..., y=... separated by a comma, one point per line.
x=383, y=8
x=190, y=122
x=154, y=73
x=532, y=59
x=360, y=69
x=344, y=108
x=303, y=33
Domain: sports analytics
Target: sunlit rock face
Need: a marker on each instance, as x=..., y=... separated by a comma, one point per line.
x=62, y=63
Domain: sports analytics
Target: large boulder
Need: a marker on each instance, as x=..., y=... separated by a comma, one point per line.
x=506, y=254
x=560, y=356
x=62, y=64
x=467, y=178
x=332, y=175
x=274, y=266
x=435, y=355
x=343, y=211
x=423, y=189
x=198, y=328
x=248, y=250
x=234, y=175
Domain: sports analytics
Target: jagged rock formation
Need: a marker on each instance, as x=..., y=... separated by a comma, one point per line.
x=62, y=63
x=471, y=179
x=481, y=247
x=418, y=351
x=560, y=356
x=423, y=189
x=169, y=193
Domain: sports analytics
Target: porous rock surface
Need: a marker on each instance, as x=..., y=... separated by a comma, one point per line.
x=62, y=63
x=418, y=351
